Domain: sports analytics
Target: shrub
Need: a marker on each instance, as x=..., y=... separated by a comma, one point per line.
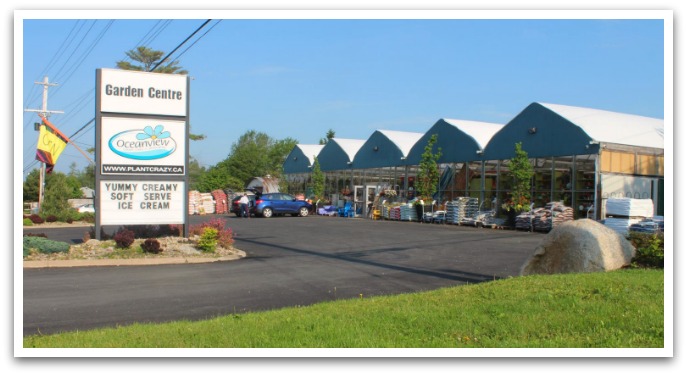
x=124, y=238
x=208, y=240
x=36, y=219
x=152, y=246
x=44, y=245
x=225, y=236
x=70, y=220
x=153, y=231
x=88, y=217
x=28, y=222
x=90, y=235
x=649, y=249
x=51, y=219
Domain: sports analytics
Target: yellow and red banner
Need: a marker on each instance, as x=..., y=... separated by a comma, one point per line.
x=50, y=146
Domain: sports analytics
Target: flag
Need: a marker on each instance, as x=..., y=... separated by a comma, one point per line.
x=50, y=146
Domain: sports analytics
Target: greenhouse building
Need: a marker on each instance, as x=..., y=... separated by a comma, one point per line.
x=581, y=157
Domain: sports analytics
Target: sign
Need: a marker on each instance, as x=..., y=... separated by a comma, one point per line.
x=141, y=202
x=142, y=146
x=141, y=149
x=132, y=92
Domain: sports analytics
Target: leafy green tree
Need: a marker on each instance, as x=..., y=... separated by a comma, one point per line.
x=428, y=174
x=254, y=154
x=521, y=172
x=317, y=180
x=277, y=156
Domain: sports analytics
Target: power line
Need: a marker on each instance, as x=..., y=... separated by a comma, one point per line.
x=181, y=44
x=196, y=41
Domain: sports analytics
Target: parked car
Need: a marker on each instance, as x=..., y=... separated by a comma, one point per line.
x=271, y=204
x=236, y=207
x=86, y=208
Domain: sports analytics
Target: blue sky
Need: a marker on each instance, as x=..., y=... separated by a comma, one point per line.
x=300, y=77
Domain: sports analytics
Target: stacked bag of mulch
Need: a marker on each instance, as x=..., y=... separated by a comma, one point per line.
x=543, y=219
x=193, y=202
x=561, y=213
x=207, y=204
x=221, y=202
x=408, y=212
x=461, y=208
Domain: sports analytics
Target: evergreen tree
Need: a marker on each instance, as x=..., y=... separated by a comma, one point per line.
x=57, y=193
x=149, y=58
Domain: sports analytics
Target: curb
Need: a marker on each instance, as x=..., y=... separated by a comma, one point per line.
x=126, y=262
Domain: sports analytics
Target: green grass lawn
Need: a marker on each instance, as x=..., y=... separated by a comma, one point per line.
x=620, y=309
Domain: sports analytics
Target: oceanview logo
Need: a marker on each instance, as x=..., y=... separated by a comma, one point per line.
x=148, y=144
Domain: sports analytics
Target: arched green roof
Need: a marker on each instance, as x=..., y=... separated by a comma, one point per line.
x=459, y=140
x=385, y=148
x=301, y=158
x=338, y=154
x=557, y=130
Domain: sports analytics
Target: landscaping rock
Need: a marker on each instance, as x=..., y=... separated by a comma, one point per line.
x=580, y=246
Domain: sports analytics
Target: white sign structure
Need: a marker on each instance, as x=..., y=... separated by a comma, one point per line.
x=142, y=146
x=125, y=91
x=142, y=202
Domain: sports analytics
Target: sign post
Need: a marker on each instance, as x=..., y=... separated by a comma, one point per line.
x=142, y=149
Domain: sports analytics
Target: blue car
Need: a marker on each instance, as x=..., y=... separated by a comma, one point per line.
x=270, y=204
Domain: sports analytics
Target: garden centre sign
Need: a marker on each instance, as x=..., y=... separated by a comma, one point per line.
x=141, y=148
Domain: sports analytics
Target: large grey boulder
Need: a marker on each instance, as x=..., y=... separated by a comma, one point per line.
x=580, y=246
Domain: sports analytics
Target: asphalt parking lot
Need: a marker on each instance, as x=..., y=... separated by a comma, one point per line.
x=290, y=261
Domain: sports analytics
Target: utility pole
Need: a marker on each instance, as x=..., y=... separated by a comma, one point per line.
x=45, y=113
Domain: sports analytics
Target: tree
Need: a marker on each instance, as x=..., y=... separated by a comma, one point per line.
x=330, y=135
x=57, y=193
x=254, y=154
x=150, y=58
x=428, y=174
x=521, y=172
x=31, y=186
x=317, y=180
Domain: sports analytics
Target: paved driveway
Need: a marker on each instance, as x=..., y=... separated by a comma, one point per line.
x=290, y=261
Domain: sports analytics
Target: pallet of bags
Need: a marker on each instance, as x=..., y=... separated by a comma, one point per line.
x=525, y=220
x=395, y=213
x=629, y=207
x=207, y=204
x=551, y=215
x=408, y=212
x=221, y=202
x=193, y=202
x=460, y=209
